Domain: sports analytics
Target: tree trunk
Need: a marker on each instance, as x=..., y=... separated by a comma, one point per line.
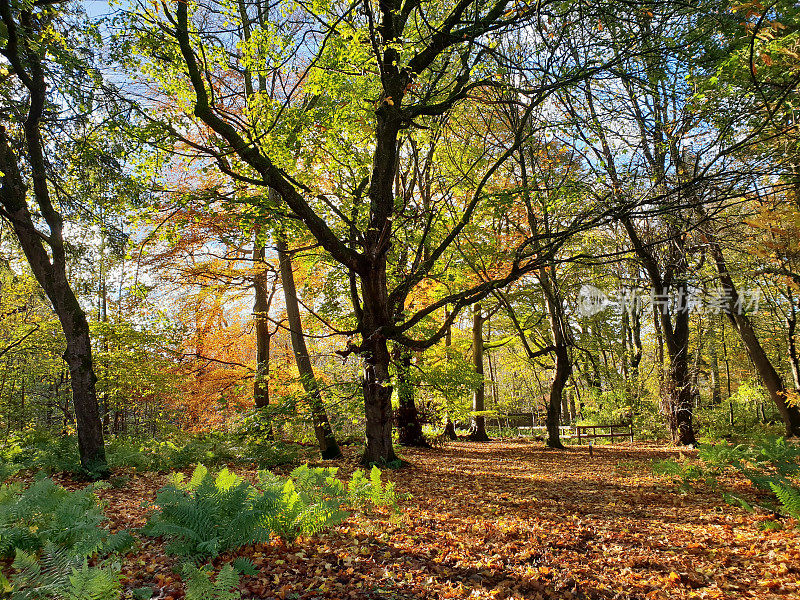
x=624, y=338
x=103, y=400
x=449, y=427
x=409, y=428
x=659, y=347
x=635, y=345
x=52, y=277
x=495, y=402
x=741, y=323
x=376, y=382
x=716, y=385
x=263, y=337
x=328, y=447
x=560, y=377
x=794, y=359
x=672, y=330
x=78, y=357
x=563, y=364
x=677, y=397
x=477, y=432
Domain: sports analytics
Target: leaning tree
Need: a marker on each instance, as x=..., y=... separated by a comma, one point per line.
x=48, y=93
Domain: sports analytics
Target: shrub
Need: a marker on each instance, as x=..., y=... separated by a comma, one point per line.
x=772, y=460
x=364, y=491
x=686, y=475
x=789, y=498
x=41, y=451
x=200, y=587
x=8, y=470
x=209, y=515
x=180, y=452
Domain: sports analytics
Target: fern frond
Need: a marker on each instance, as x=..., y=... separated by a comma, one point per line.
x=789, y=498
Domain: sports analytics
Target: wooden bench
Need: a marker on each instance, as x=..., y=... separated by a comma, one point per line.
x=564, y=430
x=582, y=431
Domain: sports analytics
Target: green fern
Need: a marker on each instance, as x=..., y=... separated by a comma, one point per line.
x=94, y=583
x=298, y=512
x=789, y=497
x=61, y=574
x=199, y=585
x=207, y=515
x=771, y=461
x=364, y=491
x=45, y=512
x=8, y=470
x=51, y=532
x=772, y=464
x=245, y=566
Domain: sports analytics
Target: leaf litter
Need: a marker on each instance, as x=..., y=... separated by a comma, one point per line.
x=506, y=520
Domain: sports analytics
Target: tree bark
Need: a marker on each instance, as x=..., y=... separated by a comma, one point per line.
x=635, y=346
x=477, y=432
x=378, y=311
x=328, y=447
x=678, y=404
x=449, y=427
x=561, y=373
x=376, y=382
x=263, y=337
x=563, y=364
x=409, y=428
x=52, y=276
x=794, y=359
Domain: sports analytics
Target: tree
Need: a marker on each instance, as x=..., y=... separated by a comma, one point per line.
x=642, y=128
x=418, y=65
x=322, y=427
x=741, y=324
x=477, y=432
x=264, y=293
x=409, y=425
x=43, y=67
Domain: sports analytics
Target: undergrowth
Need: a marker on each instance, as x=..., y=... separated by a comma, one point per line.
x=771, y=465
x=52, y=534
x=208, y=515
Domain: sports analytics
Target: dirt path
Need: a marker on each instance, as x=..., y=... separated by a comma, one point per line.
x=514, y=520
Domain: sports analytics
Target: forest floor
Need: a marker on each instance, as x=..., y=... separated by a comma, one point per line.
x=511, y=519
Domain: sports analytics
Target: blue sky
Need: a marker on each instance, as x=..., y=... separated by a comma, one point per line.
x=96, y=8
